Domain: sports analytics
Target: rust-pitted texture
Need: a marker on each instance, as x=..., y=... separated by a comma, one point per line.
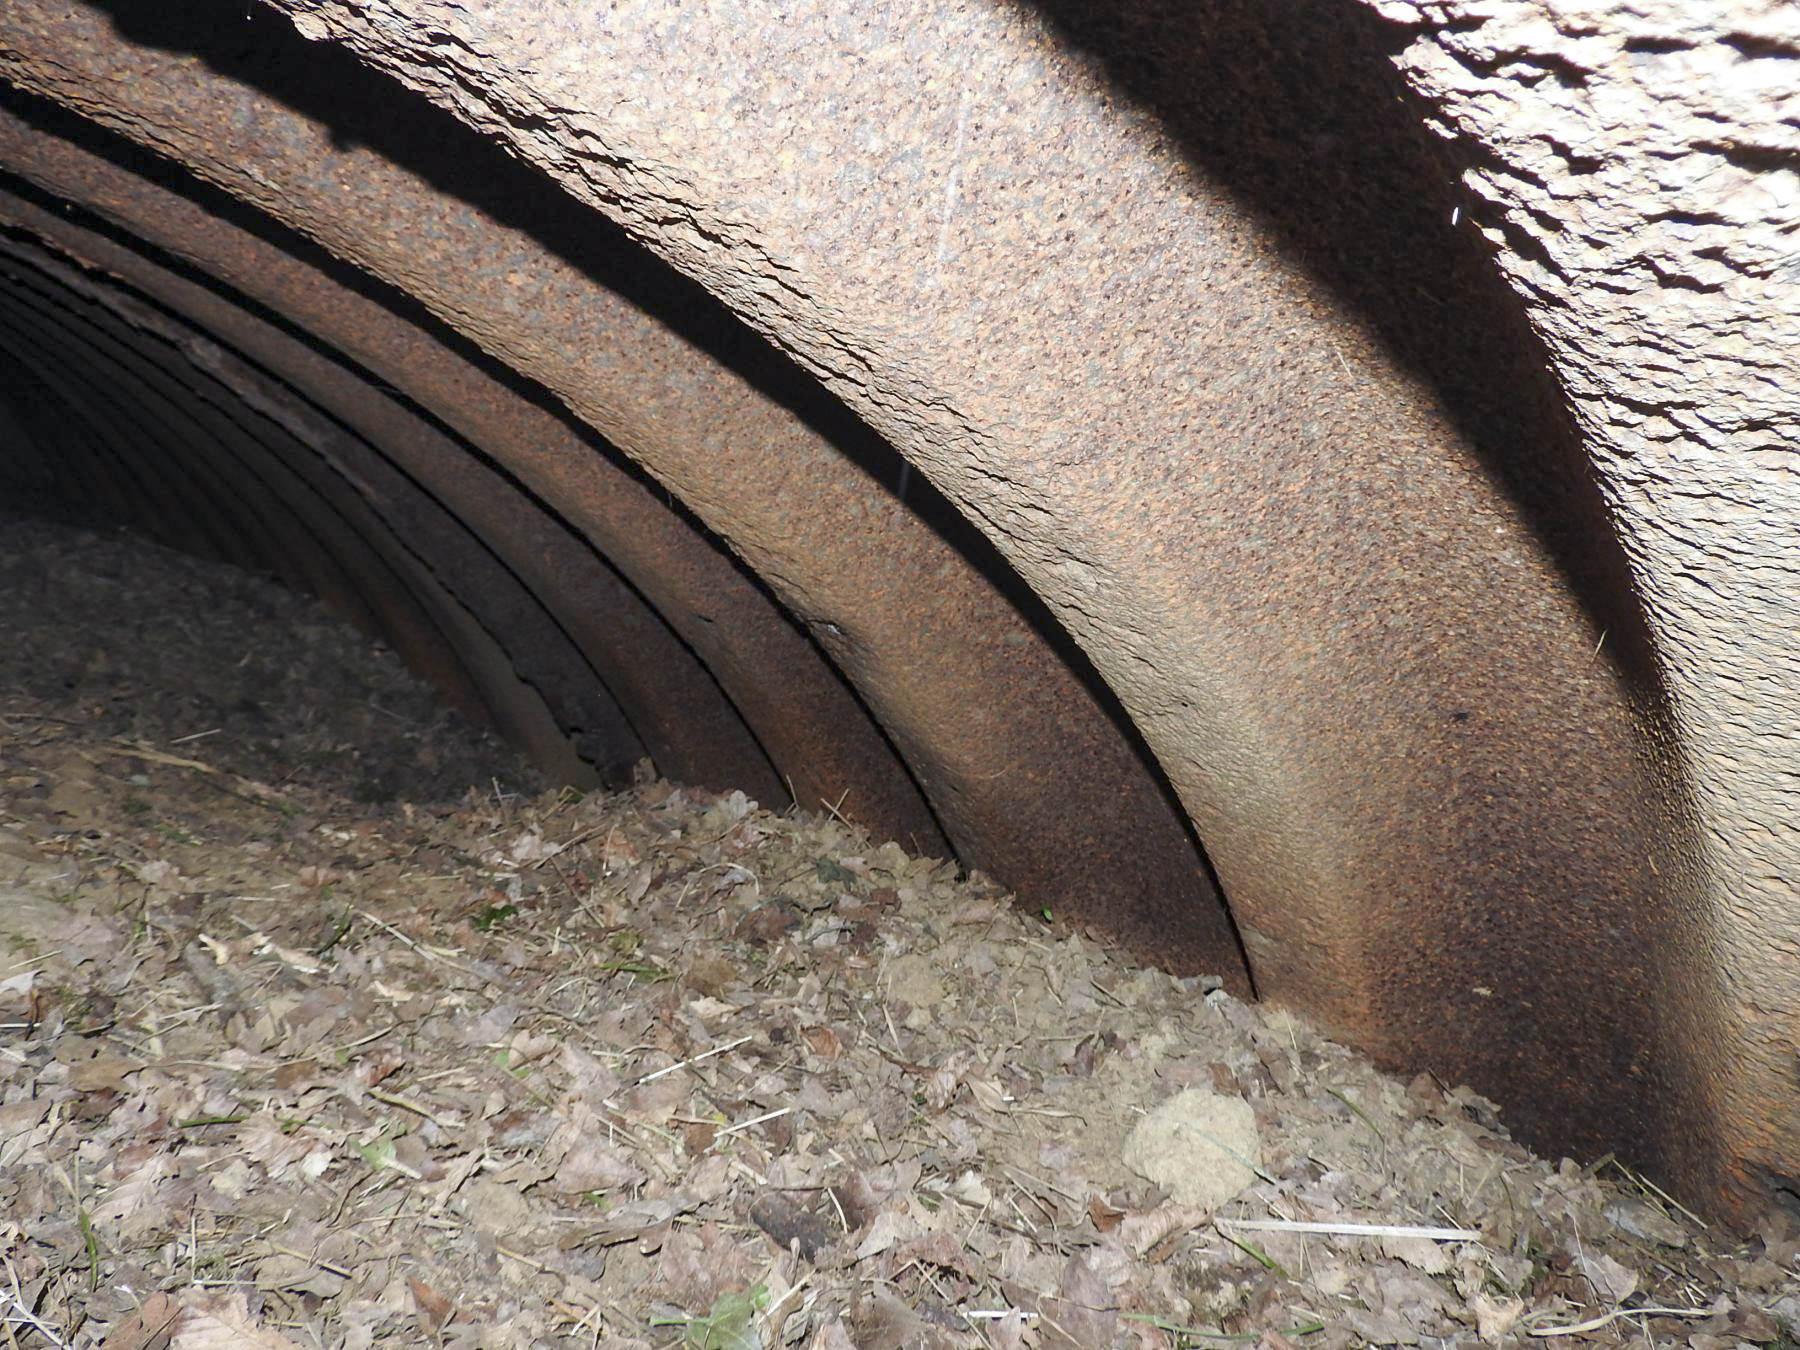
x=1638, y=186
x=1022, y=764
x=225, y=460
x=667, y=695
x=810, y=726
x=1181, y=314
x=1433, y=814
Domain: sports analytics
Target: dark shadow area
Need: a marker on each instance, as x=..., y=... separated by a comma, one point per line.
x=28, y=485
x=1297, y=111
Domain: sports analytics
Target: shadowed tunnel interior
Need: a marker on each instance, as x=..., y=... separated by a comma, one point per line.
x=609, y=693
x=1295, y=685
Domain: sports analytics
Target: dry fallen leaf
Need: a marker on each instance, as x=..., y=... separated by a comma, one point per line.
x=823, y=1042
x=223, y=1322
x=435, y=1309
x=594, y=1165
x=1141, y=1232
x=105, y=1072
x=807, y=1222
x=1613, y=1283
x=146, y=1329
x=370, y=1036
x=1421, y=1253
x=1084, y=1311
x=1494, y=1317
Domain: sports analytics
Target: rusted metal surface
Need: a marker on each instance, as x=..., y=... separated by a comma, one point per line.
x=87, y=354
x=1337, y=558
x=1642, y=206
x=670, y=699
x=803, y=717
x=337, y=431
x=1022, y=765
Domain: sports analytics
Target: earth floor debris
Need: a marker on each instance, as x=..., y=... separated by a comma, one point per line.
x=323, y=1024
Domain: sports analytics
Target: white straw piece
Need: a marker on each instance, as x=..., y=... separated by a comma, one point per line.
x=1393, y=1230
x=754, y=1120
x=1605, y=1319
x=692, y=1059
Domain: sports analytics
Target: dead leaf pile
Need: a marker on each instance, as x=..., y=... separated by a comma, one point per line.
x=287, y=1066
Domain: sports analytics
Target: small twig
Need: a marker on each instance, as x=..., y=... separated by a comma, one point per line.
x=833, y=809
x=1164, y=1324
x=25, y=1316
x=422, y=950
x=329, y=1266
x=1666, y=1198
x=376, y=1035
x=125, y=747
x=1043, y=1183
x=578, y=837
x=1106, y=993
x=524, y=1260
x=407, y=1104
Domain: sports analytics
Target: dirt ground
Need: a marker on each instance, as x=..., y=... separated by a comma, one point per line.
x=322, y=1024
